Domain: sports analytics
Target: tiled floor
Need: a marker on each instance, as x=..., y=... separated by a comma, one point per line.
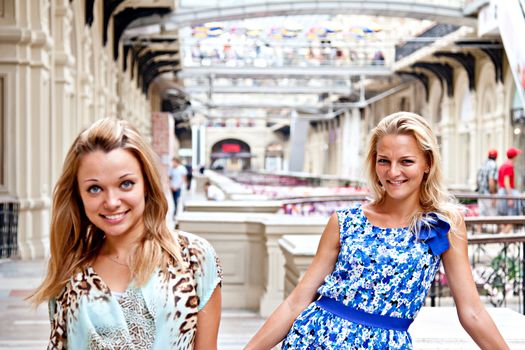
x=22, y=327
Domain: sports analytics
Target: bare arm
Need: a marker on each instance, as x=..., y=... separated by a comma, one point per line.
x=508, y=188
x=472, y=313
x=493, y=185
x=506, y=181
x=208, y=320
x=280, y=321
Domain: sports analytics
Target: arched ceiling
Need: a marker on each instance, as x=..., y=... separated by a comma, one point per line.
x=444, y=11
x=149, y=32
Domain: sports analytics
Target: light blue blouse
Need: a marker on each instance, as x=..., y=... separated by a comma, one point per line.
x=161, y=314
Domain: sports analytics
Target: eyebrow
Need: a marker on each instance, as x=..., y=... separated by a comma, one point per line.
x=402, y=157
x=127, y=174
x=120, y=177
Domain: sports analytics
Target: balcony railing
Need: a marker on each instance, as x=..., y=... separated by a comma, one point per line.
x=426, y=38
x=307, y=56
x=497, y=262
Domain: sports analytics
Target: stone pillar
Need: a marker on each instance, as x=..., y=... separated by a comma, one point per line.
x=350, y=157
x=274, y=293
x=25, y=71
x=198, y=140
x=298, y=133
x=87, y=111
x=504, y=127
x=472, y=147
x=448, y=141
x=63, y=116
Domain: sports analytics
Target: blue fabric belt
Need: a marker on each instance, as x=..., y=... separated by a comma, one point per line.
x=362, y=317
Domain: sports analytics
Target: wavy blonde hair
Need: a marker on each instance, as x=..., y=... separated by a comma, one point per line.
x=434, y=197
x=75, y=241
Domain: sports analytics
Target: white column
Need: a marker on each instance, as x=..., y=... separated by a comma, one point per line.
x=448, y=141
x=351, y=144
x=202, y=144
x=198, y=127
x=195, y=143
x=25, y=64
x=86, y=81
x=63, y=115
x=274, y=293
x=298, y=133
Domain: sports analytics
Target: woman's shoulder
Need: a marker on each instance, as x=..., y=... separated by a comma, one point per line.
x=84, y=282
x=199, y=253
x=350, y=210
x=193, y=244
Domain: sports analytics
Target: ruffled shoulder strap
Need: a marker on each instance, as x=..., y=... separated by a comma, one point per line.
x=433, y=231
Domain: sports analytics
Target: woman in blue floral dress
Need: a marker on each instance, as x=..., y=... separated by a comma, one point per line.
x=375, y=262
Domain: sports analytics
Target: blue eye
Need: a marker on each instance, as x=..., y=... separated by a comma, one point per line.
x=94, y=189
x=127, y=185
x=382, y=161
x=408, y=161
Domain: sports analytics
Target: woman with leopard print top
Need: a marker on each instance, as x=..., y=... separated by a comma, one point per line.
x=118, y=277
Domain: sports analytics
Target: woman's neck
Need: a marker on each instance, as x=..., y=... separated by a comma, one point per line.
x=115, y=246
x=404, y=209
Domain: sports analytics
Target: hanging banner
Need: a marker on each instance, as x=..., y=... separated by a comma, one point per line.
x=511, y=18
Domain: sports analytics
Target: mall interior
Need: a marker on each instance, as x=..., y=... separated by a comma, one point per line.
x=272, y=103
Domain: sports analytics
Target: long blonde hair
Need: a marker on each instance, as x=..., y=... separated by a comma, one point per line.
x=75, y=241
x=434, y=197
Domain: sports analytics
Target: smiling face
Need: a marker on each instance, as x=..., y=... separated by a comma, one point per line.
x=400, y=166
x=111, y=186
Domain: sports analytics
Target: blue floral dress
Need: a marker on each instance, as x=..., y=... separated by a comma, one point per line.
x=380, y=271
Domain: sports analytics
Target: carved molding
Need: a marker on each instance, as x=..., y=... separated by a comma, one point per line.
x=423, y=78
x=125, y=17
x=467, y=60
x=443, y=71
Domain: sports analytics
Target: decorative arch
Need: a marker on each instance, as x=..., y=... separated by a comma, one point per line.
x=231, y=154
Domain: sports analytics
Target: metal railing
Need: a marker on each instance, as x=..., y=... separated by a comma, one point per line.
x=274, y=55
x=497, y=261
x=410, y=46
x=9, y=208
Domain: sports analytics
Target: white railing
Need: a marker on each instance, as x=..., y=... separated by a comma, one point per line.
x=192, y=4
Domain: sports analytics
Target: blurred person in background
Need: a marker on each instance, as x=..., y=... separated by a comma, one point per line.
x=178, y=179
x=213, y=193
x=506, y=187
x=487, y=183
